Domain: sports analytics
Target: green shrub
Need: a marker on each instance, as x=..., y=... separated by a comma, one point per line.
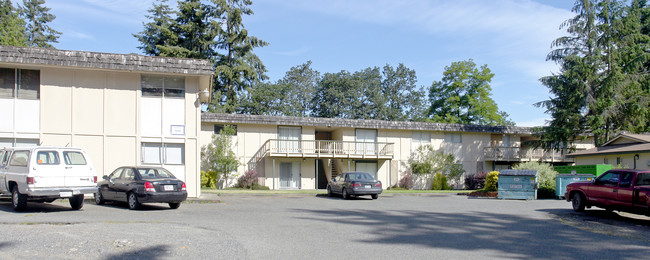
x=439, y=182
x=208, y=179
x=257, y=186
x=491, y=181
x=545, y=173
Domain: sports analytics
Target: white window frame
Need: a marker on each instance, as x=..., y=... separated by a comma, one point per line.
x=164, y=150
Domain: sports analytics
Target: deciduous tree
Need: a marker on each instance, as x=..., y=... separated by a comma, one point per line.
x=463, y=96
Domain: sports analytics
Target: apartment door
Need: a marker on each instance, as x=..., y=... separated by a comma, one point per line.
x=369, y=167
x=289, y=175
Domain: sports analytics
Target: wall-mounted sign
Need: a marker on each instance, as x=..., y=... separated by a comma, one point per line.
x=177, y=130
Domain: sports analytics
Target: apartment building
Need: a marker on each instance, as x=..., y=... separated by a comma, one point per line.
x=304, y=152
x=122, y=109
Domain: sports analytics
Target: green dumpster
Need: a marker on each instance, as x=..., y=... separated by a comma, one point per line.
x=593, y=169
x=517, y=184
x=562, y=180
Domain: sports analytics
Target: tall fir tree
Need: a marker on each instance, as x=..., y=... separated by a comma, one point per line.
x=12, y=26
x=237, y=67
x=37, y=16
x=157, y=32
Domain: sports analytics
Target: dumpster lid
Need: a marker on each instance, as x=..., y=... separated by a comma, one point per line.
x=510, y=172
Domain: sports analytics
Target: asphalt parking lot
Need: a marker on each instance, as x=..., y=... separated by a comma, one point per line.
x=318, y=227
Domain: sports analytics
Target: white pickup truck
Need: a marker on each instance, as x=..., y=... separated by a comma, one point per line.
x=43, y=174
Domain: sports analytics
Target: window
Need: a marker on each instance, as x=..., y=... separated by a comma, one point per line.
x=420, y=139
x=47, y=157
x=157, y=153
x=128, y=174
x=366, y=141
x=20, y=83
x=160, y=86
x=74, y=158
x=505, y=142
x=610, y=178
x=218, y=128
x=619, y=161
x=116, y=174
x=289, y=139
x=19, y=158
x=453, y=138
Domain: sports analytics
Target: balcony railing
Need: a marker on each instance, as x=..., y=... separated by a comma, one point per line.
x=525, y=154
x=322, y=148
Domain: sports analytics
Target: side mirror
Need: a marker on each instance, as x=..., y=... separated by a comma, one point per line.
x=105, y=177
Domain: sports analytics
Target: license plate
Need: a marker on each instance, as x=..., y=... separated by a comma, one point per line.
x=368, y=186
x=168, y=187
x=65, y=194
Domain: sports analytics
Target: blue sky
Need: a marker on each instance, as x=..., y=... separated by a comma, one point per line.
x=511, y=36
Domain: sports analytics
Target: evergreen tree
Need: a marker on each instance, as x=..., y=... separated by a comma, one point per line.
x=38, y=32
x=158, y=32
x=602, y=87
x=12, y=26
x=237, y=67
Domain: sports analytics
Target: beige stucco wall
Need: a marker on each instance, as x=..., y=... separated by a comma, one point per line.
x=250, y=139
x=98, y=111
x=628, y=160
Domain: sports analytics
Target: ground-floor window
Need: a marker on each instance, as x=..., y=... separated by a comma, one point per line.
x=163, y=153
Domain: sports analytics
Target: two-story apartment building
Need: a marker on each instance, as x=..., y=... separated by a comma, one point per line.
x=122, y=109
x=304, y=152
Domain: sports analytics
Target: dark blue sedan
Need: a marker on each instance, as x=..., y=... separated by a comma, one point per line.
x=137, y=185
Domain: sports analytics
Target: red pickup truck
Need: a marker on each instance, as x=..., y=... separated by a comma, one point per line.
x=621, y=190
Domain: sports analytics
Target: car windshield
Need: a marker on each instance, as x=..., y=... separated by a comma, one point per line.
x=155, y=173
x=360, y=176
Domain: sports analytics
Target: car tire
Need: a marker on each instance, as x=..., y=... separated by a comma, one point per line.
x=174, y=205
x=578, y=202
x=77, y=201
x=133, y=202
x=99, y=198
x=329, y=191
x=345, y=194
x=18, y=201
x=374, y=196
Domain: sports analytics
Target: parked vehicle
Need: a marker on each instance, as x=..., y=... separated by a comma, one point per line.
x=137, y=185
x=44, y=174
x=354, y=184
x=621, y=190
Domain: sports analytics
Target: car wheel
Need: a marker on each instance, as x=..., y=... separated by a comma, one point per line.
x=374, y=196
x=329, y=191
x=345, y=194
x=18, y=201
x=578, y=202
x=133, y=201
x=77, y=201
x=174, y=205
x=99, y=198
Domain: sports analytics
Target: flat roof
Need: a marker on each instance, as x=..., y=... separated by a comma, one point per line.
x=219, y=118
x=105, y=61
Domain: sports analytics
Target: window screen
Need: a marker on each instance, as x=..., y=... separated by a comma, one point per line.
x=30, y=84
x=174, y=153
